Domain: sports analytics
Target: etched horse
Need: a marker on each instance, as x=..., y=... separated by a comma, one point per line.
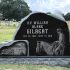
x=55, y=48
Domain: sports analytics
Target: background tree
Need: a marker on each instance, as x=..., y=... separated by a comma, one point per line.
x=14, y=9
x=67, y=16
x=48, y=13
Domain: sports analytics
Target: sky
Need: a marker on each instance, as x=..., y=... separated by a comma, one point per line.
x=49, y=5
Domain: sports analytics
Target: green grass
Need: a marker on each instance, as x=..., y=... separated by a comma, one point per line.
x=68, y=24
x=30, y=67
x=6, y=33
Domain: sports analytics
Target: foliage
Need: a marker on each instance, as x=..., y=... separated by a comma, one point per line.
x=14, y=9
x=67, y=16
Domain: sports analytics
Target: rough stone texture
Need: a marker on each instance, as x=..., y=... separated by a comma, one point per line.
x=65, y=62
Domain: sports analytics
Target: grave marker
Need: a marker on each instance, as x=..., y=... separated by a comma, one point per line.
x=44, y=33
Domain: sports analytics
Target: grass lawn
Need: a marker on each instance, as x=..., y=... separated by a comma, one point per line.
x=30, y=67
x=68, y=24
x=7, y=33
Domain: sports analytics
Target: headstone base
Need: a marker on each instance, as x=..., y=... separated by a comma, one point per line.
x=64, y=62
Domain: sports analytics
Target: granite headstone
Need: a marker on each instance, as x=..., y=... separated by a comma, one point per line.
x=46, y=34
